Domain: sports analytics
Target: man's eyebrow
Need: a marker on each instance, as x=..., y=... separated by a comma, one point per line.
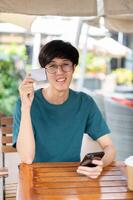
x=65, y=59
x=62, y=60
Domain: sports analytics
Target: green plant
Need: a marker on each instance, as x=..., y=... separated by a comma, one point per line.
x=9, y=78
x=8, y=86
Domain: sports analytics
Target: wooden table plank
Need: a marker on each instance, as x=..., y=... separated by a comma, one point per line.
x=81, y=190
x=70, y=173
x=51, y=185
x=109, y=196
x=76, y=178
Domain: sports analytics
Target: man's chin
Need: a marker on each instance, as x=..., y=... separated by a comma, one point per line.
x=62, y=89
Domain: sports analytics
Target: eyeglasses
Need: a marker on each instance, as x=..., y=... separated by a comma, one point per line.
x=53, y=68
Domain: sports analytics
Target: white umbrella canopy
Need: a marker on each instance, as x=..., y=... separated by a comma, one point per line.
x=11, y=28
x=106, y=47
x=23, y=13
x=118, y=15
x=50, y=7
x=120, y=23
x=24, y=21
x=110, y=47
x=90, y=43
x=118, y=7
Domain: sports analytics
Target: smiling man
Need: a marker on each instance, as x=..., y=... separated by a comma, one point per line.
x=49, y=123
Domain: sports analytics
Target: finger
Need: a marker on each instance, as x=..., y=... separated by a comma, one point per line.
x=93, y=177
x=26, y=92
x=29, y=85
x=98, y=168
x=29, y=76
x=28, y=80
x=84, y=168
x=89, y=174
x=97, y=162
x=94, y=170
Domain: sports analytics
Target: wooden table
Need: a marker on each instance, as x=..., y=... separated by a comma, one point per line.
x=59, y=181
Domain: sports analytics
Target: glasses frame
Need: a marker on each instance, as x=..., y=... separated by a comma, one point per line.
x=61, y=65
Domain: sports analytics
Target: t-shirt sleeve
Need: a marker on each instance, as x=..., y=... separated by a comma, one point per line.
x=16, y=121
x=96, y=125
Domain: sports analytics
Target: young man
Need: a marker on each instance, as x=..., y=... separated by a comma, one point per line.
x=49, y=123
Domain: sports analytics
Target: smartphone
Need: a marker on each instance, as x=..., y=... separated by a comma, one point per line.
x=87, y=160
x=38, y=74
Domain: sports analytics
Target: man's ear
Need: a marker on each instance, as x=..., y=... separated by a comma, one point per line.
x=74, y=66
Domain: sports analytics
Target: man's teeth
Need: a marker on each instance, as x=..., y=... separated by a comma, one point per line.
x=61, y=80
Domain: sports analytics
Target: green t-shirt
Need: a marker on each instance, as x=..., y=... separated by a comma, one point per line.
x=59, y=129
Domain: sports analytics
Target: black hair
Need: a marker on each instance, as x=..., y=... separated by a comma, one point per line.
x=58, y=49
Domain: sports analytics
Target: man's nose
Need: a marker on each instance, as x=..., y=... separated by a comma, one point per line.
x=59, y=69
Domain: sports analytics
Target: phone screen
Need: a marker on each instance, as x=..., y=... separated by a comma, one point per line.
x=87, y=160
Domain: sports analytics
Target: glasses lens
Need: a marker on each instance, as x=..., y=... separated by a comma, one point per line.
x=52, y=69
x=66, y=67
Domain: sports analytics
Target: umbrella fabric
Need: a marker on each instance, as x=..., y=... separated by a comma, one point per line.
x=110, y=47
x=119, y=15
x=119, y=23
x=21, y=20
x=23, y=13
x=50, y=7
x=118, y=7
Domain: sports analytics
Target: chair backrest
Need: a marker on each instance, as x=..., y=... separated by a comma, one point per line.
x=3, y=172
x=120, y=121
x=7, y=139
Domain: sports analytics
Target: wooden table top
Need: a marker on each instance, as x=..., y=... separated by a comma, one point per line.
x=59, y=181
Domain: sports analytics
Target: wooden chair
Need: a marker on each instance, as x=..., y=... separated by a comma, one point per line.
x=3, y=172
x=9, y=190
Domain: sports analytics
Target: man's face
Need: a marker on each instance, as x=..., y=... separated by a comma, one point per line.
x=59, y=73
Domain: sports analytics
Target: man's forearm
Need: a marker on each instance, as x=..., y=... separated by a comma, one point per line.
x=109, y=155
x=25, y=141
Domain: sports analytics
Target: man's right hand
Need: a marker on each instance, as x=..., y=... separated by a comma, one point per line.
x=26, y=91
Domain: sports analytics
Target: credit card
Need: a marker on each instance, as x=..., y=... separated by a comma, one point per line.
x=38, y=74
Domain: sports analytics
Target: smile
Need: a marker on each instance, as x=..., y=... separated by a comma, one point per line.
x=61, y=80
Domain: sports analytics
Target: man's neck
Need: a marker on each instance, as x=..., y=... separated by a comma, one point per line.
x=54, y=96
